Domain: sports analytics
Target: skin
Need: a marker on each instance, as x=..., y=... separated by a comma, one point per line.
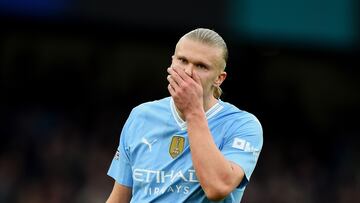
x=195, y=71
x=119, y=194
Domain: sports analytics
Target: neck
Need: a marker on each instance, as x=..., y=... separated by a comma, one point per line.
x=208, y=103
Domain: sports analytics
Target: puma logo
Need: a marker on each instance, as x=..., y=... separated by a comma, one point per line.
x=145, y=141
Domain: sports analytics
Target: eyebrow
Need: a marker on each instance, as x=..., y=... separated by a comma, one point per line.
x=195, y=62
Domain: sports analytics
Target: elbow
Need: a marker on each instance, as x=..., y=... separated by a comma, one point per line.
x=217, y=192
x=220, y=186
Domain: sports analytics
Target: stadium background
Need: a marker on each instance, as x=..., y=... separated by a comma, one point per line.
x=72, y=70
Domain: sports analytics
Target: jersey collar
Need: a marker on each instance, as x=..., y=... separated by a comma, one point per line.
x=182, y=124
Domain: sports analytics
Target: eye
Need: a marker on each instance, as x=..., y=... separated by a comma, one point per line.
x=182, y=60
x=202, y=66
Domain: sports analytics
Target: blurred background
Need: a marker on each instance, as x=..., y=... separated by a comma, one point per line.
x=71, y=71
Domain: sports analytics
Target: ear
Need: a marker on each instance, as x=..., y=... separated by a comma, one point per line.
x=220, y=79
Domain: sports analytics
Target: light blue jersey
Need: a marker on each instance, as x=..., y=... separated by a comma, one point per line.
x=154, y=159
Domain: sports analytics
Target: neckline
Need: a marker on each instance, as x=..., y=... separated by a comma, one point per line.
x=209, y=113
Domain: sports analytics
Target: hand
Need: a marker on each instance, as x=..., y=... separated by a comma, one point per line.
x=186, y=90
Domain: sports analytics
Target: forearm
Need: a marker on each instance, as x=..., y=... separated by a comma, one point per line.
x=119, y=194
x=214, y=172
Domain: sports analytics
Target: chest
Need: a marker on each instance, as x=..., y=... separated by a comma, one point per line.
x=158, y=147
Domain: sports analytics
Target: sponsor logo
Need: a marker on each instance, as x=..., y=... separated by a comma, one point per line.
x=149, y=144
x=156, y=182
x=179, y=189
x=147, y=176
x=176, y=146
x=245, y=146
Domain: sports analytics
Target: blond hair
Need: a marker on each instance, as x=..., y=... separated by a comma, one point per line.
x=211, y=38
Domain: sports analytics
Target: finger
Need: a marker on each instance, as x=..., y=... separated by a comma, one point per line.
x=175, y=77
x=196, y=77
x=184, y=76
x=171, y=90
x=172, y=82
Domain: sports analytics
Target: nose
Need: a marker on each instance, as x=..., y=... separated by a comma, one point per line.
x=188, y=69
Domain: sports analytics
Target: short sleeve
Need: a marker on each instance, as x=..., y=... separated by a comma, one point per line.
x=243, y=143
x=120, y=168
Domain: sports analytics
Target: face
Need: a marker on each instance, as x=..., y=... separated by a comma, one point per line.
x=205, y=60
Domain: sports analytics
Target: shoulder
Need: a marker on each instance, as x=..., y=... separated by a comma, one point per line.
x=161, y=103
x=238, y=115
x=242, y=126
x=145, y=115
x=152, y=107
x=240, y=122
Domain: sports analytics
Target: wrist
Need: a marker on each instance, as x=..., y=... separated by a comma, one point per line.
x=194, y=115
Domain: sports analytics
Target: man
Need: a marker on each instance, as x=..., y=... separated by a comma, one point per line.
x=190, y=147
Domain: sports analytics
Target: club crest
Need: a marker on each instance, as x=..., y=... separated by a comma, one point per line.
x=176, y=146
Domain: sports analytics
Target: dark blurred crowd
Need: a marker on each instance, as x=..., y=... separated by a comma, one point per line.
x=48, y=157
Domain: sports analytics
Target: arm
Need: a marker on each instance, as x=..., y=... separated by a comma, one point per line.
x=217, y=176
x=119, y=194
